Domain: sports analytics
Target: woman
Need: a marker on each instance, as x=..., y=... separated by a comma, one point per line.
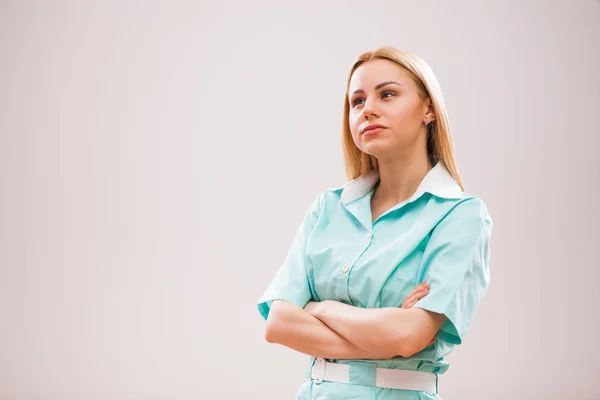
x=402, y=228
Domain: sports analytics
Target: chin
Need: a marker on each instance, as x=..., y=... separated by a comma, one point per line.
x=376, y=149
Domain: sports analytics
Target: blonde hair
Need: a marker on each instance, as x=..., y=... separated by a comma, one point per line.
x=439, y=142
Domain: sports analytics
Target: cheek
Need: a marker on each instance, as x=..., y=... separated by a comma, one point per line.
x=404, y=125
x=401, y=116
x=354, y=123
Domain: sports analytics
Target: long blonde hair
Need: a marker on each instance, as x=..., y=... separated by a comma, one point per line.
x=439, y=142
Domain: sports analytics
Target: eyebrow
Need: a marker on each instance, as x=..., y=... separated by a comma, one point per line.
x=378, y=86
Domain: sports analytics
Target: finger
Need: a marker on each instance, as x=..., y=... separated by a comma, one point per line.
x=417, y=290
x=421, y=287
x=412, y=297
x=410, y=303
x=419, y=294
x=412, y=300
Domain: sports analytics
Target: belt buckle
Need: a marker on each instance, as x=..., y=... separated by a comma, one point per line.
x=319, y=370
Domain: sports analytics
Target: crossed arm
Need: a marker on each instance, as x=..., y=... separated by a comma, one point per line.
x=332, y=329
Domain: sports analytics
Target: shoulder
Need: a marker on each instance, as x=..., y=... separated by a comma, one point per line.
x=470, y=206
x=329, y=196
x=324, y=203
x=469, y=216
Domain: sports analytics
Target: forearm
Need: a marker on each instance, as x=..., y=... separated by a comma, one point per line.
x=374, y=329
x=297, y=329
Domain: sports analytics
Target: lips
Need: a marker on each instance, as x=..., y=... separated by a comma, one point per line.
x=368, y=128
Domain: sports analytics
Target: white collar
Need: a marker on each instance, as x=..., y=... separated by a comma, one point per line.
x=438, y=182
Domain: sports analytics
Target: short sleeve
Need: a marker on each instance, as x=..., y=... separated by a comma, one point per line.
x=455, y=264
x=291, y=281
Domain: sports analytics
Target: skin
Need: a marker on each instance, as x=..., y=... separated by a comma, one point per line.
x=401, y=149
x=301, y=330
x=379, y=92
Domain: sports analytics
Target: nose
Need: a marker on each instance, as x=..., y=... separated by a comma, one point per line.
x=370, y=109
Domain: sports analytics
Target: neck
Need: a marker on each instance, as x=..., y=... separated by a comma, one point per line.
x=400, y=177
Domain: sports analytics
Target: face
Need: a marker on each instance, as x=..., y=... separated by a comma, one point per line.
x=383, y=93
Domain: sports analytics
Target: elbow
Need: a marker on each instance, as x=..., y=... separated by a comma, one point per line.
x=275, y=324
x=405, y=346
x=387, y=349
x=272, y=330
x=412, y=345
x=407, y=351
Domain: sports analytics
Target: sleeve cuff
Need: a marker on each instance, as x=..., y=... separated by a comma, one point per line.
x=449, y=332
x=264, y=304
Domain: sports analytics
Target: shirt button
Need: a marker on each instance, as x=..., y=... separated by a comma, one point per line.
x=369, y=235
x=345, y=268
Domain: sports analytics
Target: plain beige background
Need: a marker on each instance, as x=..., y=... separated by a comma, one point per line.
x=156, y=159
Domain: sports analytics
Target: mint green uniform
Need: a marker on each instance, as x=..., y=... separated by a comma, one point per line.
x=439, y=235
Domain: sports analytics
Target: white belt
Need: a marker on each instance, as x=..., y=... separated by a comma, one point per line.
x=384, y=377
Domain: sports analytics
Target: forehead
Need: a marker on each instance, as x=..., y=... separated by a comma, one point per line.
x=373, y=72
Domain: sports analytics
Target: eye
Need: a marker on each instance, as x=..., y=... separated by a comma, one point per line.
x=383, y=95
x=355, y=101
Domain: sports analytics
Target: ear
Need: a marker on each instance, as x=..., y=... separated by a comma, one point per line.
x=430, y=112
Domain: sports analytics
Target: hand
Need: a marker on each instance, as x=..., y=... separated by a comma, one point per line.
x=417, y=294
